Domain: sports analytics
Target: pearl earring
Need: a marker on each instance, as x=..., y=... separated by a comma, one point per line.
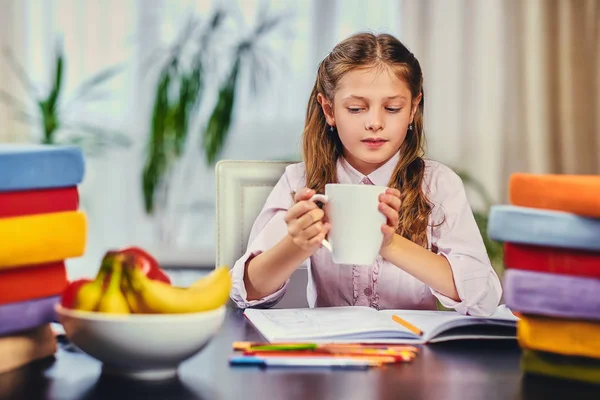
x=410, y=127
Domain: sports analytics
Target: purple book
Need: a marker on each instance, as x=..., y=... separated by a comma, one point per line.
x=553, y=295
x=15, y=317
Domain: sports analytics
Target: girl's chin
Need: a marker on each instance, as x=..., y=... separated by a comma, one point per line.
x=379, y=156
x=369, y=161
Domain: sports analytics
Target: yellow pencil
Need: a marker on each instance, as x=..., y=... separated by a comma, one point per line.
x=407, y=325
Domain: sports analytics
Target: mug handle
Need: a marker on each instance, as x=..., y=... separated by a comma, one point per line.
x=323, y=199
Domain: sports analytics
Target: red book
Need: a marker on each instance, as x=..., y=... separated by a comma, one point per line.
x=44, y=201
x=552, y=260
x=32, y=282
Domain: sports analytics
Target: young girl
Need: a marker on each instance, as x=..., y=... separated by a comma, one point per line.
x=364, y=125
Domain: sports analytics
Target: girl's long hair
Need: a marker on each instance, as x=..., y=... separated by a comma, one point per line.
x=321, y=147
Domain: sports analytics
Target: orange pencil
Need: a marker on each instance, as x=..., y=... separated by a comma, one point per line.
x=280, y=346
x=386, y=358
x=374, y=360
x=407, y=325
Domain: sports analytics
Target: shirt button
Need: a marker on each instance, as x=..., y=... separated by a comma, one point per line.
x=368, y=292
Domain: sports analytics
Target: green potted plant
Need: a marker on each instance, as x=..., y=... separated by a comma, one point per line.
x=51, y=119
x=190, y=63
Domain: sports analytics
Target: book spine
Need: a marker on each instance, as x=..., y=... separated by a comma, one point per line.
x=17, y=317
x=38, y=239
x=541, y=293
x=24, y=347
x=572, y=368
x=543, y=228
x=31, y=202
x=40, y=167
x=551, y=259
x=567, y=337
x=558, y=190
x=32, y=282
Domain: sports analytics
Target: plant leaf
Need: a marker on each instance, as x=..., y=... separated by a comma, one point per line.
x=155, y=164
x=216, y=21
x=53, y=96
x=111, y=137
x=494, y=249
x=188, y=94
x=85, y=89
x=22, y=77
x=11, y=100
x=218, y=125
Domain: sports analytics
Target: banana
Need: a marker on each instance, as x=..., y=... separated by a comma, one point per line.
x=133, y=299
x=113, y=301
x=210, y=279
x=159, y=297
x=89, y=295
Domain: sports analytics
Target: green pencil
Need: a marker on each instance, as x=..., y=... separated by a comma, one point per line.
x=284, y=347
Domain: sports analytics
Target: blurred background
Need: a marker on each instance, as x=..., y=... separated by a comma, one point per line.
x=157, y=91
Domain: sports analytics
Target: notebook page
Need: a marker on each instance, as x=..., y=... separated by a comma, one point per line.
x=322, y=323
x=433, y=323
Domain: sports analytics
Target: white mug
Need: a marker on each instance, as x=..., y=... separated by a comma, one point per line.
x=355, y=236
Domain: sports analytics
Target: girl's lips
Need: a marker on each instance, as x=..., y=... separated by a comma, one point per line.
x=374, y=143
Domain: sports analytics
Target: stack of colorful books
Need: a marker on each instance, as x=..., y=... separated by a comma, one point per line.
x=40, y=226
x=551, y=235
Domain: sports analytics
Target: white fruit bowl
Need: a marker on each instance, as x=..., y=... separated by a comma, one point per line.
x=141, y=346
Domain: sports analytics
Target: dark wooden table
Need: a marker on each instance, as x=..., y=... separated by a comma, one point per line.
x=459, y=370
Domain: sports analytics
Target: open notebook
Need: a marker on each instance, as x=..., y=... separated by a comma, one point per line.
x=367, y=325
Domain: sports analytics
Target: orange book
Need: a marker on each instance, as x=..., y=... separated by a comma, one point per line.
x=24, y=347
x=32, y=282
x=577, y=194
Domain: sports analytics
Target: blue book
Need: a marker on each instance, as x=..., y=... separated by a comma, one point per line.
x=30, y=166
x=539, y=227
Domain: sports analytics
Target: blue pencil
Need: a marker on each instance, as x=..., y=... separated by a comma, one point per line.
x=298, y=362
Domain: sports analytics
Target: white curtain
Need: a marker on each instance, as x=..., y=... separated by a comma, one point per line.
x=460, y=45
x=102, y=33
x=510, y=85
x=12, y=36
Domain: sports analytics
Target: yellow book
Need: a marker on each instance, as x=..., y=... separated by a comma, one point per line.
x=42, y=238
x=561, y=336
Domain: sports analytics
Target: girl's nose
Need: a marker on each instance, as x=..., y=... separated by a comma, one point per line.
x=374, y=123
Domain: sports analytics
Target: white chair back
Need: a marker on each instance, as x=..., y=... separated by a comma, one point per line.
x=242, y=189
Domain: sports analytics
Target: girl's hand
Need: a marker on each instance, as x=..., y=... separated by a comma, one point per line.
x=389, y=205
x=305, y=222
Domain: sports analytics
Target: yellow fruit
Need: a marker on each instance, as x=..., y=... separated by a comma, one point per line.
x=113, y=301
x=159, y=297
x=88, y=296
x=210, y=279
x=133, y=299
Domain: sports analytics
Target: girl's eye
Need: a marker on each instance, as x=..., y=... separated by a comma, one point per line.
x=354, y=110
x=393, y=110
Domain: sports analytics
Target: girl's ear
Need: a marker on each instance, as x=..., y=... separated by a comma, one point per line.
x=415, y=106
x=327, y=109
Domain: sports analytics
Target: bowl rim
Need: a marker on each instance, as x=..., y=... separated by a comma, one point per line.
x=97, y=316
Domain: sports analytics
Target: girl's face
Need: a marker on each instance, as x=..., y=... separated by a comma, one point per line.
x=371, y=111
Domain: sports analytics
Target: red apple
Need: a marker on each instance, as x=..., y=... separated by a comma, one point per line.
x=147, y=264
